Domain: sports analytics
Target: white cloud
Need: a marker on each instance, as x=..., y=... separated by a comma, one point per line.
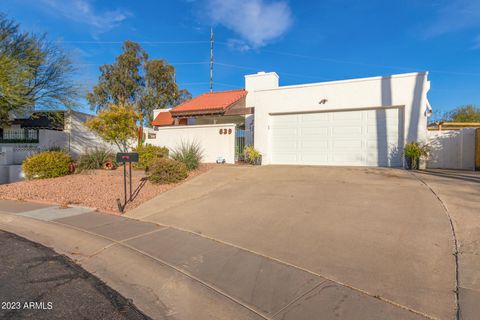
x=454, y=15
x=82, y=11
x=257, y=22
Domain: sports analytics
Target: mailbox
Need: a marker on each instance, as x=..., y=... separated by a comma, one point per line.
x=125, y=157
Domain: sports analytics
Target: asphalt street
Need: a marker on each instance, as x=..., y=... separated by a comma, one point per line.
x=37, y=283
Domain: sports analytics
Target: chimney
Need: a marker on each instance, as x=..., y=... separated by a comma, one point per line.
x=259, y=81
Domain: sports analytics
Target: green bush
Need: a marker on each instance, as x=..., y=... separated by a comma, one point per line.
x=147, y=153
x=189, y=153
x=413, y=151
x=163, y=170
x=95, y=159
x=251, y=155
x=48, y=164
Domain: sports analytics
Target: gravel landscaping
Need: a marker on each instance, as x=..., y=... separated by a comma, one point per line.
x=96, y=189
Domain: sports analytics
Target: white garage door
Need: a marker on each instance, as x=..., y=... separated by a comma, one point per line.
x=353, y=138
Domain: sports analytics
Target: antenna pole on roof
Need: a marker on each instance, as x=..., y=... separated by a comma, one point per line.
x=211, y=59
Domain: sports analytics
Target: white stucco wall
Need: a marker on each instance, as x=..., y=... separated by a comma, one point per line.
x=52, y=138
x=404, y=90
x=259, y=81
x=452, y=149
x=9, y=172
x=213, y=143
x=80, y=138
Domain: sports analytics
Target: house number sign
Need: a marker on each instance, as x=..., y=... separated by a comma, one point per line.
x=225, y=131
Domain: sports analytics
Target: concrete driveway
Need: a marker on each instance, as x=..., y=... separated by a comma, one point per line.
x=380, y=233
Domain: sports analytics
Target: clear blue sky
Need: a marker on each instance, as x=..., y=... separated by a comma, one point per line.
x=303, y=41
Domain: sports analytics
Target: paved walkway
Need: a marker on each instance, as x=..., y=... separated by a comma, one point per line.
x=170, y=273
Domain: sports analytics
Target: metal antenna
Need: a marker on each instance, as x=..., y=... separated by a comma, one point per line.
x=211, y=59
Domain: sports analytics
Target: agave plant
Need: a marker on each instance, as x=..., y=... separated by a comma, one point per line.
x=96, y=158
x=190, y=153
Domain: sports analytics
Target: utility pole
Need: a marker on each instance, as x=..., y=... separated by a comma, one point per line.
x=211, y=59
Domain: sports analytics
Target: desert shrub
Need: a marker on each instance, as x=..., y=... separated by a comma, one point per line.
x=189, y=153
x=251, y=155
x=95, y=159
x=413, y=151
x=47, y=164
x=163, y=170
x=147, y=153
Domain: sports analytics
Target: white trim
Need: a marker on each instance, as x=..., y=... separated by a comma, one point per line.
x=334, y=110
x=262, y=74
x=196, y=126
x=328, y=83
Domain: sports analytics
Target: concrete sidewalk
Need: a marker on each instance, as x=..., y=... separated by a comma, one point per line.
x=170, y=273
x=460, y=193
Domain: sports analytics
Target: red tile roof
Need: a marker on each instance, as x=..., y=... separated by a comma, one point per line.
x=212, y=101
x=163, y=119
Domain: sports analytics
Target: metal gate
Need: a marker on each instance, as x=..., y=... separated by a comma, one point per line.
x=239, y=144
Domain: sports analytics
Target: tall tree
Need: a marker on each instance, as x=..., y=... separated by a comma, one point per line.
x=33, y=72
x=122, y=81
x=468, y=113
x=160, y=90
x=135, y=80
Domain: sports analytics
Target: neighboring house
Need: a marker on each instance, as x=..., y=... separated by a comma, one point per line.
x=358, y=122
x=42, y=131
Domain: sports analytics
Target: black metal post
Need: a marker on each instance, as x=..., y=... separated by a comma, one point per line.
x=125, y=183
x=130, y=175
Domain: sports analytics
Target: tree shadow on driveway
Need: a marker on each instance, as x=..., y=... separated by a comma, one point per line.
x=468, y=176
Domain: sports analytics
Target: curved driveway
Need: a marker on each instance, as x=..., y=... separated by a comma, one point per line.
x=380, y=232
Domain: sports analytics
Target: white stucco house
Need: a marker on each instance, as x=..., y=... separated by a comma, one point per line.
x=357, y=122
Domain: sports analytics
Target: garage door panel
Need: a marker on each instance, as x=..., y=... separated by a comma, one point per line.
x=314, y=117
x=346, y=131
x=314, y=132
x=347, y=144
x=306, y=145
x=285, y=120
x=314, y=158
x=346, y=115
x=347, y=157
x=286, y=146
x=285, y=132
x=364, y=137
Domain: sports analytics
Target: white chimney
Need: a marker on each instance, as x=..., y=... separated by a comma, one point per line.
x=259, y=81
